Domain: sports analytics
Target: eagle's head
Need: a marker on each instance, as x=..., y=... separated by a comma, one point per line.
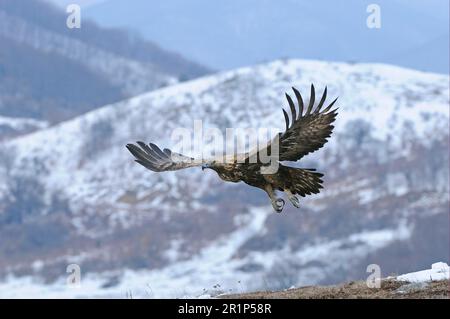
x=226, y=171
x=211, y=165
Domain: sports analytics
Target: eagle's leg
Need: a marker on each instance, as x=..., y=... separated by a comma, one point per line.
x=292, y=198
x=277, y=203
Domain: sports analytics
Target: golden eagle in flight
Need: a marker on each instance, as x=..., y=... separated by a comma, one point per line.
x=305, y=132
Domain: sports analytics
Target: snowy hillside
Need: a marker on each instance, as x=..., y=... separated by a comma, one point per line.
x=121, y=71
x=84, y=200
x=13, y=126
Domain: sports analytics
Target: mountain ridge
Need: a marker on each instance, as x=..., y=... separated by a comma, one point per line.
x=51, y=73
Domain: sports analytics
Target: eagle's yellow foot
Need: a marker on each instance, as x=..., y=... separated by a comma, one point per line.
x=294, y=200
x=278, y=204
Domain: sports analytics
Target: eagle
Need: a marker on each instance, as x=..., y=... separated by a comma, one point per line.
x=307, y=129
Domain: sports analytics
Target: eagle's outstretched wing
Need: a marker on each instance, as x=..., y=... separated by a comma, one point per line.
x=306, y=131
x=157, y=160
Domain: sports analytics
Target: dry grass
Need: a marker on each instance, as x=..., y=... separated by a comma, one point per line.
x=357, y=290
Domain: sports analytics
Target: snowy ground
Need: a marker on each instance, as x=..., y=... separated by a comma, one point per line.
x=137, y=285
x=438, y=271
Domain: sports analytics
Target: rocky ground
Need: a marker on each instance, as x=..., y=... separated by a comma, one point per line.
x=390, y=289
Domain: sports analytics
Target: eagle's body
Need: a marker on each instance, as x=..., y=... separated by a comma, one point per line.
x=305, y=133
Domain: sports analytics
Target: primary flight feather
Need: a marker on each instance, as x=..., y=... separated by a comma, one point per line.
x=306, y=131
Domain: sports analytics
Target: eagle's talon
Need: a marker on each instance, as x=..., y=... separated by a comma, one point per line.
x=295, y=201
x=278, y=205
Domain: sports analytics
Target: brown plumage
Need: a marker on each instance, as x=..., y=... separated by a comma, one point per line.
x=306, y=131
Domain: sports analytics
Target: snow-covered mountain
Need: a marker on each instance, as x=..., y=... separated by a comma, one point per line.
x=72, y=193
x=13, y=126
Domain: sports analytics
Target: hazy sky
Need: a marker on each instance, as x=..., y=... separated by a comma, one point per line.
x=233, y=33
x=82, y=3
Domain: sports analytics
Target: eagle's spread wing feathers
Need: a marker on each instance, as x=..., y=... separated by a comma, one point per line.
x=306, y=131
x=157, y=160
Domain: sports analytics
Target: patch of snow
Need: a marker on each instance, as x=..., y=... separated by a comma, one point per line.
x=438, y=271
